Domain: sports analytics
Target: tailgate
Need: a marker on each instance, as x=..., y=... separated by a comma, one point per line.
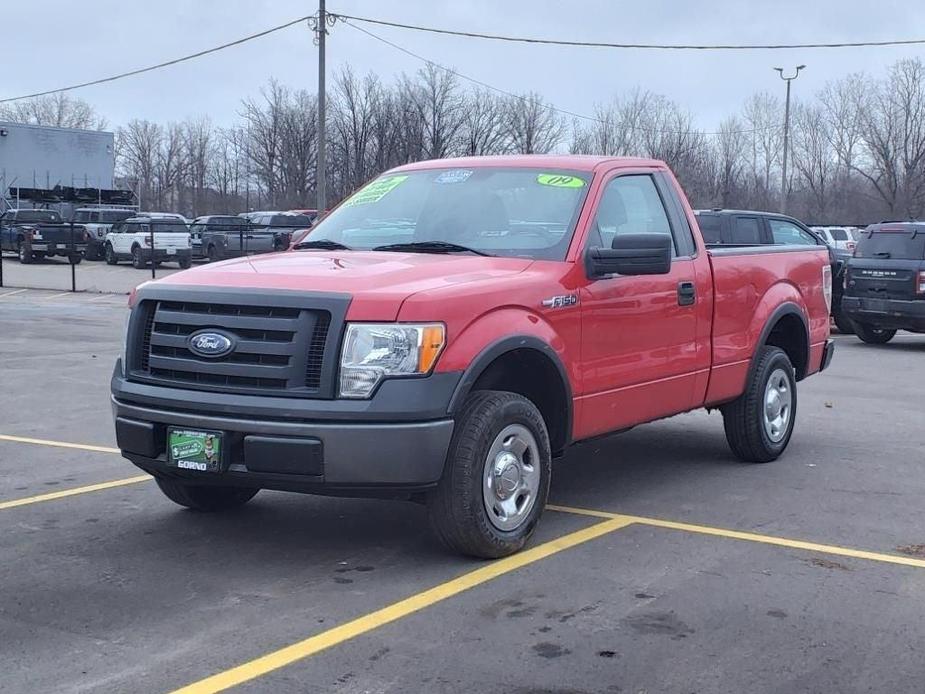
x=60, y=234
x=171, y=239
x=878, y=279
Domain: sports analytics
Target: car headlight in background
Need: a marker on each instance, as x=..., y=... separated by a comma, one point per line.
x=376, y=351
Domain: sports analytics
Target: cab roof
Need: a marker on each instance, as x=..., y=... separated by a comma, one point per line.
x=572, y=162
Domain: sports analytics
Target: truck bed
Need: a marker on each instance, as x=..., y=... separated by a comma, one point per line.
x=750, y=283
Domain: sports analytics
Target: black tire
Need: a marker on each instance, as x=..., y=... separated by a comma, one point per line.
x=137, y=261
x=205, y=498
x=744, y=418
x=110, y=254
x=185, y=263
x=78, y=259
x=843, y=323
x=24, y=252
x=872, y=335
x=92, y=253
x=213, y=254
x=457, y=508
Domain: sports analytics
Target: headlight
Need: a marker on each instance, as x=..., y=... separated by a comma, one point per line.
x=373, y=352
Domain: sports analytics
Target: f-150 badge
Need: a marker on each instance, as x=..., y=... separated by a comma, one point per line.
x=563, y=301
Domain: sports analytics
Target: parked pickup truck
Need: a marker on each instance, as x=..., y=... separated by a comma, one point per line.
x=36, y=234
x=452, y=327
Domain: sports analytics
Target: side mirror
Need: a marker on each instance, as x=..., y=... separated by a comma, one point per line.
x=631, y=254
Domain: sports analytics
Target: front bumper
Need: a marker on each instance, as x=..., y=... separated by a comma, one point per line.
x=317, y=446
x=890, y=314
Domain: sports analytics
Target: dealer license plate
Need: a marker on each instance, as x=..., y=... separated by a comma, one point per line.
x=171, y=251
x=194, y=449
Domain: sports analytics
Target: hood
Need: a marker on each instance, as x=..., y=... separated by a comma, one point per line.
x=378, y=281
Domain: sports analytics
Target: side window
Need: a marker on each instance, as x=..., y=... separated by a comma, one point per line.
x=746, y=231
x=80, y=217
x=94, y=217
x=789, y=234
x=711, y=227
x=629, y=205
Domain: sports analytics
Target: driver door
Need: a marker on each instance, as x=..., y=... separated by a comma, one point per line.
x=639, y=346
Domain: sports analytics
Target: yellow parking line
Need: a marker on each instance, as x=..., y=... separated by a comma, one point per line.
x=751, y=537
x=402, y=608
x=51, y=496
x=17, y=291
x=58, y=444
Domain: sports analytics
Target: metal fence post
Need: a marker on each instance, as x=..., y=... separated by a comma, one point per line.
x=72, y=259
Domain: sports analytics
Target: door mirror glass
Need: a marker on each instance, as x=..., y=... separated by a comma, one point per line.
x=631, y=254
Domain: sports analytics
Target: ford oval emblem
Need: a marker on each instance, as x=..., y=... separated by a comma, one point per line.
x=210, y=343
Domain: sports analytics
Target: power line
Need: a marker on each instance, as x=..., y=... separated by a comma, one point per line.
x=647, y=46
x=132, y=73
x=563, y=111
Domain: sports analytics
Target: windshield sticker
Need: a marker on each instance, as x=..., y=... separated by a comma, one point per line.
x=560, y=181
x=453, y=176
x=375, y=191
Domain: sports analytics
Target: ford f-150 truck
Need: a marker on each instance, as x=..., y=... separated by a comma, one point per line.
x=453, y=326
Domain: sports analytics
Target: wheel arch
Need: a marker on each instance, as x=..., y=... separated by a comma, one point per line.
x=529, y=366
x=787, y=329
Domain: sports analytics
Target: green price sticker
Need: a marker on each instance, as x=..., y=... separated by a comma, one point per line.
x=375, y=191
x=560, y=181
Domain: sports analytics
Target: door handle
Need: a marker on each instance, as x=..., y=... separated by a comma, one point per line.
x=687, y=294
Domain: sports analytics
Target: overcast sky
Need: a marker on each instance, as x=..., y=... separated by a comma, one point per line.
x=50, y=43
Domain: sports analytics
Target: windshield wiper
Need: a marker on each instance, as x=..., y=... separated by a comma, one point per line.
x=429, y=247
x=322, y=244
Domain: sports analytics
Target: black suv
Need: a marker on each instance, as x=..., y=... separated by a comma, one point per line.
x=750, y=228
x=885, y=281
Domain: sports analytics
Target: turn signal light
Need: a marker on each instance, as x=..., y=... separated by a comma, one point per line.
x=920, y=285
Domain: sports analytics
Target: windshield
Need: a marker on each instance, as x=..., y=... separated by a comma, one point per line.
x=525, y=213
x=113, y=216
x=896, y=244
x=839, y=234
x=38, y=216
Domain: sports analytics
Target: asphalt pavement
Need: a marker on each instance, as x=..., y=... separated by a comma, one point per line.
x=663, y=566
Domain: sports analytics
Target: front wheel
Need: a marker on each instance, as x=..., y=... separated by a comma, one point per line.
x=760, y=422
x=205, y=498
x=185, y=263
x=872, y=335
x=496, y=479
x=111, y=258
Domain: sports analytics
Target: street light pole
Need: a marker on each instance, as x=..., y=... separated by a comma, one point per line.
x=783, y=187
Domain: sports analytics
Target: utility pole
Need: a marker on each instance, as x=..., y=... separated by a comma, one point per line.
x=321, y=29
x=783, y=187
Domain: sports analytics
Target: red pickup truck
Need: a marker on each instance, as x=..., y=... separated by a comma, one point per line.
x=453, y=326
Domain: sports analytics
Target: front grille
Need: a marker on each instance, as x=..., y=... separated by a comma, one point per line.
x=277, y=349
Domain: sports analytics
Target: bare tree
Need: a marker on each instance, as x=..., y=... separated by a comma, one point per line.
x=730, y=147
x=484, y=127
x=894, y=139
x=59, y=110
x=264, y=125
x=138, y=147
x=814, y=157
x=532, y=126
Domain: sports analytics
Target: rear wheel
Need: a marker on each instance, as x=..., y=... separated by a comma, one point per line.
x=24, y=252
x=496, y=477
x=205, y=498
x=111, y=258
x=185, y=263
x=872, y=335
x=213, y=254
x=760, y=422
x=843, y=323
x=137, y=261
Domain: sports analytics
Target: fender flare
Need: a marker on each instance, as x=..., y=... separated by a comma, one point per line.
x=499, y=348
x=785, y=309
